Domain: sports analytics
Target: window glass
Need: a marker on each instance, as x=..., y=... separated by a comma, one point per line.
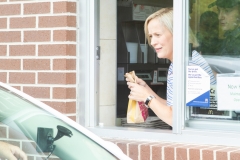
x=214, y=47
x=41, y=134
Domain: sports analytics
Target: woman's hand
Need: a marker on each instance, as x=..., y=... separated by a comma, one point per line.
x=138, y=92
x=138, y=81
x=11, y=152
x=141, y=82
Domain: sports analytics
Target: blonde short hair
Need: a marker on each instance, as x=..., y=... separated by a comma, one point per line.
x=165, y=16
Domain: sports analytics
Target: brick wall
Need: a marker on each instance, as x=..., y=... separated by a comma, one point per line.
x=38, y=50
x=143, y=150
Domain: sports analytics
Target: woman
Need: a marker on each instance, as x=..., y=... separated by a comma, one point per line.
x=159, y=32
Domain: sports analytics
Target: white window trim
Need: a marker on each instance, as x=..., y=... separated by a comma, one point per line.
x=88, y=65
x=88, y=87
x=180, y=38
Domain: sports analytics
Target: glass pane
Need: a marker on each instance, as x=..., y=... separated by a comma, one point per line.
x=214, y=33
x=41, y=134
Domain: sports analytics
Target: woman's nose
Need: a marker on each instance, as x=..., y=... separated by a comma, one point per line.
x=153, y=41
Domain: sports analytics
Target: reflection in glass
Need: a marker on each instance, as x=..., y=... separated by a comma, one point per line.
x=215, y=24
x=207, y=35
x=21, y=119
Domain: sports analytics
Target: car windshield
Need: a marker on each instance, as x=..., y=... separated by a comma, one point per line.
x=41, y=134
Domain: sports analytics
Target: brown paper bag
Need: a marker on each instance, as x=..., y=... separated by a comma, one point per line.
x=137, y=112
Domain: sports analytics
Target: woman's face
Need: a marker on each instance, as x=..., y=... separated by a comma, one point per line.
x=228, y=18
x=161, y=39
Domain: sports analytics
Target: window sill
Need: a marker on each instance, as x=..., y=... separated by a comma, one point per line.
x=188, y=135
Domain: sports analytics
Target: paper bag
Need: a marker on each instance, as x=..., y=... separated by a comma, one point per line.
x=137, y=112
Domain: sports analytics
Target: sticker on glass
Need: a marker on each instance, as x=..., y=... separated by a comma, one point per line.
x=197, y=87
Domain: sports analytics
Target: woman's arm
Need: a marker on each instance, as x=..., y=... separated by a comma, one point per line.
x=163, y=111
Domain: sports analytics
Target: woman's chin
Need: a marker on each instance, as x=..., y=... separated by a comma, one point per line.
x=160, y=56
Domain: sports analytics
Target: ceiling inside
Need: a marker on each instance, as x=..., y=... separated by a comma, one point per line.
x=159, y=3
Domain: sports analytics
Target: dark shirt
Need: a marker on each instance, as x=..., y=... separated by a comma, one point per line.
x=231, y=43
x=208, y=46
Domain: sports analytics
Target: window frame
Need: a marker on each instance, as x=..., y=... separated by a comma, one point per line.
x=180, y=133
x=88, y=64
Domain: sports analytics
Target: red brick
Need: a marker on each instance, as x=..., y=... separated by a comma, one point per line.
x=208, y=153
x=3, y=23
x=29, y=148
x=194, y=152
x=56, y=78
x=10, y=36
x=133, y=150
x=145, y=152
x=235, y=155
x=72, y=118
x=157, y=152
x=16, y=87
x=22, y=50
x=37, y=92
x=36, y=64
x=63, y=107
x=64, y=64
x=3, y=50
x=70, y=107
x=64, y=35
x=181, y=153
x=36, y=8
x=64, y=7
x=123, y=146
x=10, y=9
x=3, y=77
x=24, y=78
x=37, y=36
x=71, y=21
x=16, y=135
x=59, y=106
x=10, y=64
x=169, y=153
x=223, y=153
x=25, y=22
x=57, y=21
x=3, y=131
x=64, y=93
x=57, y=50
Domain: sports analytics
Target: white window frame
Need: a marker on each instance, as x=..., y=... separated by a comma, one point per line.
x=88, y=65
x=88, y=85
